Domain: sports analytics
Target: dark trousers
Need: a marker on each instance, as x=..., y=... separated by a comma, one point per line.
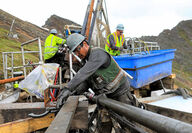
x=57, y=58
x=122, y=94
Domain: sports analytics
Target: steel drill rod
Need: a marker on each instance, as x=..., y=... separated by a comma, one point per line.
x=83, y=30
x=156, y=122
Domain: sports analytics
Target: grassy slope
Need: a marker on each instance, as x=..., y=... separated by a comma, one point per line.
x=12, y=45
x=183, y=78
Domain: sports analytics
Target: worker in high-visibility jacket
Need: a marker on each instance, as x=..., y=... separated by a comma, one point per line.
x=116, y=42
x=52, y=43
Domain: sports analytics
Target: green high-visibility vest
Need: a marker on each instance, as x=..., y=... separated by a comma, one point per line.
x=118, y=43
x=109, y=78
x=51, y=46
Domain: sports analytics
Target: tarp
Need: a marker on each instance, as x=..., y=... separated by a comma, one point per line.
x=176, y=103
x=39, y=79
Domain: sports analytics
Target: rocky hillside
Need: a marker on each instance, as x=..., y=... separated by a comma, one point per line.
x=180, y=38
x=58, y=23
x=24, y=30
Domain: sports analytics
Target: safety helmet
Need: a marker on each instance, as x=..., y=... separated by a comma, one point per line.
x=53, y=31
x=120, y=27
x=74, y=40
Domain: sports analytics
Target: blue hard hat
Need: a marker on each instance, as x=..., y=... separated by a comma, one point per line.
x=120, y=27
x=53, y=31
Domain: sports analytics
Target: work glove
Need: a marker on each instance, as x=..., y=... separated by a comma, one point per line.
x=63, y=95
x=120, y=48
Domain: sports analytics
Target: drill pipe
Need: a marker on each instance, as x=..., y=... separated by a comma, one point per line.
x=11, y=79
x=156, y=122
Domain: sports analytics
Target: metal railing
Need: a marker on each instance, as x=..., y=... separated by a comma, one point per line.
x=11, y=68
x=137, y=46
x=23, y=52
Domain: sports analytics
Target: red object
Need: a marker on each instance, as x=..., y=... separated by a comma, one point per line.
x=52, y=94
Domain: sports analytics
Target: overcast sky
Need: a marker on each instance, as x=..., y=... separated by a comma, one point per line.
x=140, y=17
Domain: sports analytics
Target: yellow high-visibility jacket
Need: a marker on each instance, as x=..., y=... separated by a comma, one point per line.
x=118, y=43
x=51, y=45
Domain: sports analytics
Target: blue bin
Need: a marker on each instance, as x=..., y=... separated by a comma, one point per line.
x=147, y=68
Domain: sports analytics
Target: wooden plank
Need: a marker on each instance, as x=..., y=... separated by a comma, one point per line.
x=80, y=120
x=172, y=76
x=27, y=125
x=14, y=111
x=179, y=115
x=137, y=93
x=22, y=105
x=62, y=122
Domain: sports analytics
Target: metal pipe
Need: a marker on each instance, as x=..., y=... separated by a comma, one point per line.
x=106, y=16
x=149, y=42
x=57, y=86
x=9, y=68
x=11, y=28
x=11, y=79
x=83, y=30
x=6, y=75
x=40, y=51
x=12, y=65
x=77, y=57
x=93, y=22
x=156, y=122
x=3, y=64
x=32, y=64
x=70, y=66
x=131, y=77
x=19, y=52
x=30, y=41
x=89, y=19
x=73, y=72
x=60, y=78
x=23, y=58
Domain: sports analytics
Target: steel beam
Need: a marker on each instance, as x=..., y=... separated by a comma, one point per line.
x=62, y=122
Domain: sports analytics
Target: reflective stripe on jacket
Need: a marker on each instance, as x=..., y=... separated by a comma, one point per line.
x=51, y=46
x=118, y=43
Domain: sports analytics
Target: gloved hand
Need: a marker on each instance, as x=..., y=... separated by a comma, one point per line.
x=63, y=95
x=120, y=48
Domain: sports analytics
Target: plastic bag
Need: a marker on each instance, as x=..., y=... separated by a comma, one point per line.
x=39, y=79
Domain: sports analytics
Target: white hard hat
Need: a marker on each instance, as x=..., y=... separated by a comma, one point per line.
x=53, y=31
x=120, y=27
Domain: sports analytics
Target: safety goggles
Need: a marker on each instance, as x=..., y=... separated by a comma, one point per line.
x=79, y=47
x=121, y=32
